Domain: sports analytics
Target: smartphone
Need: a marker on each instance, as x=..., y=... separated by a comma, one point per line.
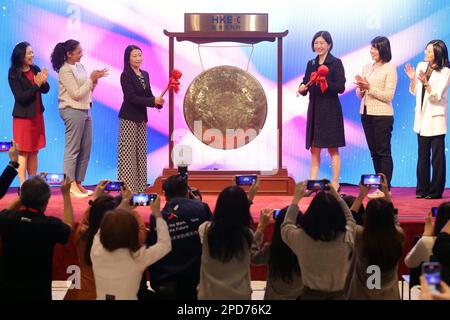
x=245, y=180
x=371, y=180
x=432, y=273
x=434, y=211
x=276, y=212
x=114, y=186
x=54, y=179
x=315, y=185
x=5, y=146
x=143, y=199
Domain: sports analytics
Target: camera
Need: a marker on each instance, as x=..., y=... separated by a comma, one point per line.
x=276, y=212
x=245, y=180
x=434, y=211
x=143, y=199
x=53, y=179
x=315, y=185
x=371, y=180
x=183, y=171
x=432, y=273
x=114, y=186
x=5, y=146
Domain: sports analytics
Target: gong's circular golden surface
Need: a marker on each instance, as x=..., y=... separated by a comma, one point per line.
x=225, y=107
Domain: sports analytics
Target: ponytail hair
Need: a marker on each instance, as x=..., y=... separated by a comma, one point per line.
x=59, y=54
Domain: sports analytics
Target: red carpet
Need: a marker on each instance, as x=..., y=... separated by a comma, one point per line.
x=412, y=213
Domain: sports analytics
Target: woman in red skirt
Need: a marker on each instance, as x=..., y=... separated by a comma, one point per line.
x=27, y=82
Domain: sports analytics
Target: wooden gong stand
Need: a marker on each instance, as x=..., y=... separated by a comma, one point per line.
x=214, y=181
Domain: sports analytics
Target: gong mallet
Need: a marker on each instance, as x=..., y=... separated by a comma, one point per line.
x=318, y=77
x=173, y=83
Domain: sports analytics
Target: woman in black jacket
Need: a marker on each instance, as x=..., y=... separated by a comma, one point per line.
x=325, y=124
x=27, y=82
x=137, y=96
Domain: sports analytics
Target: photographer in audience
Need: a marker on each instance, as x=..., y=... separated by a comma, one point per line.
x=118, y=257
x=378, y=243
x=441, y=252
x=284, y=281
x=10, y=171
x=176, y=276
x=423, y=249
x=88, y=227
x=226, y=250
x=28, y=238
x=322, y=242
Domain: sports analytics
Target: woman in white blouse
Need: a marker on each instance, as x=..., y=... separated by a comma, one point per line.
x=75, y=102
x=376, y=88
x=118, y=259
x=431, y=114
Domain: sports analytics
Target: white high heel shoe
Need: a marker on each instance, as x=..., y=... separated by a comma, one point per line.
x=78, y=195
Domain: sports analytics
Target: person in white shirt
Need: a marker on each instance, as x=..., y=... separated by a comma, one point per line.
x=118, y=260
x=423, y=248
x=75, y=102
x=430, y=86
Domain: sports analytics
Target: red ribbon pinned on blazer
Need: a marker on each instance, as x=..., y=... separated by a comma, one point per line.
x=320, y=77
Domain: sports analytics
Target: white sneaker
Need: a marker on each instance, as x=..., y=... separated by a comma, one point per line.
x=377, y=194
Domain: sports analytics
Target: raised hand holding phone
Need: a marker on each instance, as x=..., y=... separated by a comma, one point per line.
x=156, y=207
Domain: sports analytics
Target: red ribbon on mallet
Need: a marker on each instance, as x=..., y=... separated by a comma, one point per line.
x=173, y=82
x=320, y=77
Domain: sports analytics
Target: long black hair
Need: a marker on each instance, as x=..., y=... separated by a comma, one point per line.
x=229, y=234
x=17, y=58
x=382, y=243
x=283, y=263
x=98, y=208
x=442, y=217
x=126, y=56
x=324, y=219
x=440, y=54
x=59, y=54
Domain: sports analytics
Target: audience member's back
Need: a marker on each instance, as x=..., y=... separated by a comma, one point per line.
x=28, y=238
x=225, y=263
x=379, y=243
x=177, y=274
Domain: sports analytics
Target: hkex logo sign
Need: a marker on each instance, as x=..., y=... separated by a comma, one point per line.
x=221, y=23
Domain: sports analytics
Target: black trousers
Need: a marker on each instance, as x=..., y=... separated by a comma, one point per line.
x=436, y=145
x=378, y=131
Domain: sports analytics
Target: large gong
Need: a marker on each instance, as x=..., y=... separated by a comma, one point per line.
x=225, y=107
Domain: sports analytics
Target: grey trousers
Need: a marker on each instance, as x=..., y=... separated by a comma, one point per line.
x=132, y=154
x=77, y=150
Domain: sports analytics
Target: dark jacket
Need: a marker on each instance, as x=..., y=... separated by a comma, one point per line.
x=136, y=99
x=25, y=93
x=6, y=179
x=325, y=123
x=183, y=216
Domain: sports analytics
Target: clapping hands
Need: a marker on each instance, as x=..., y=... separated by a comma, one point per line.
x=362, y=83
x=41, y=77
x=410, y=72
x=97, y=74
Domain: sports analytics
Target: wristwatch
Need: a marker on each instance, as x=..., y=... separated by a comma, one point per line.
x=13, y=164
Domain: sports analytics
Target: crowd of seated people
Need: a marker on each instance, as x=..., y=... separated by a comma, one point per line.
x=328, y=252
